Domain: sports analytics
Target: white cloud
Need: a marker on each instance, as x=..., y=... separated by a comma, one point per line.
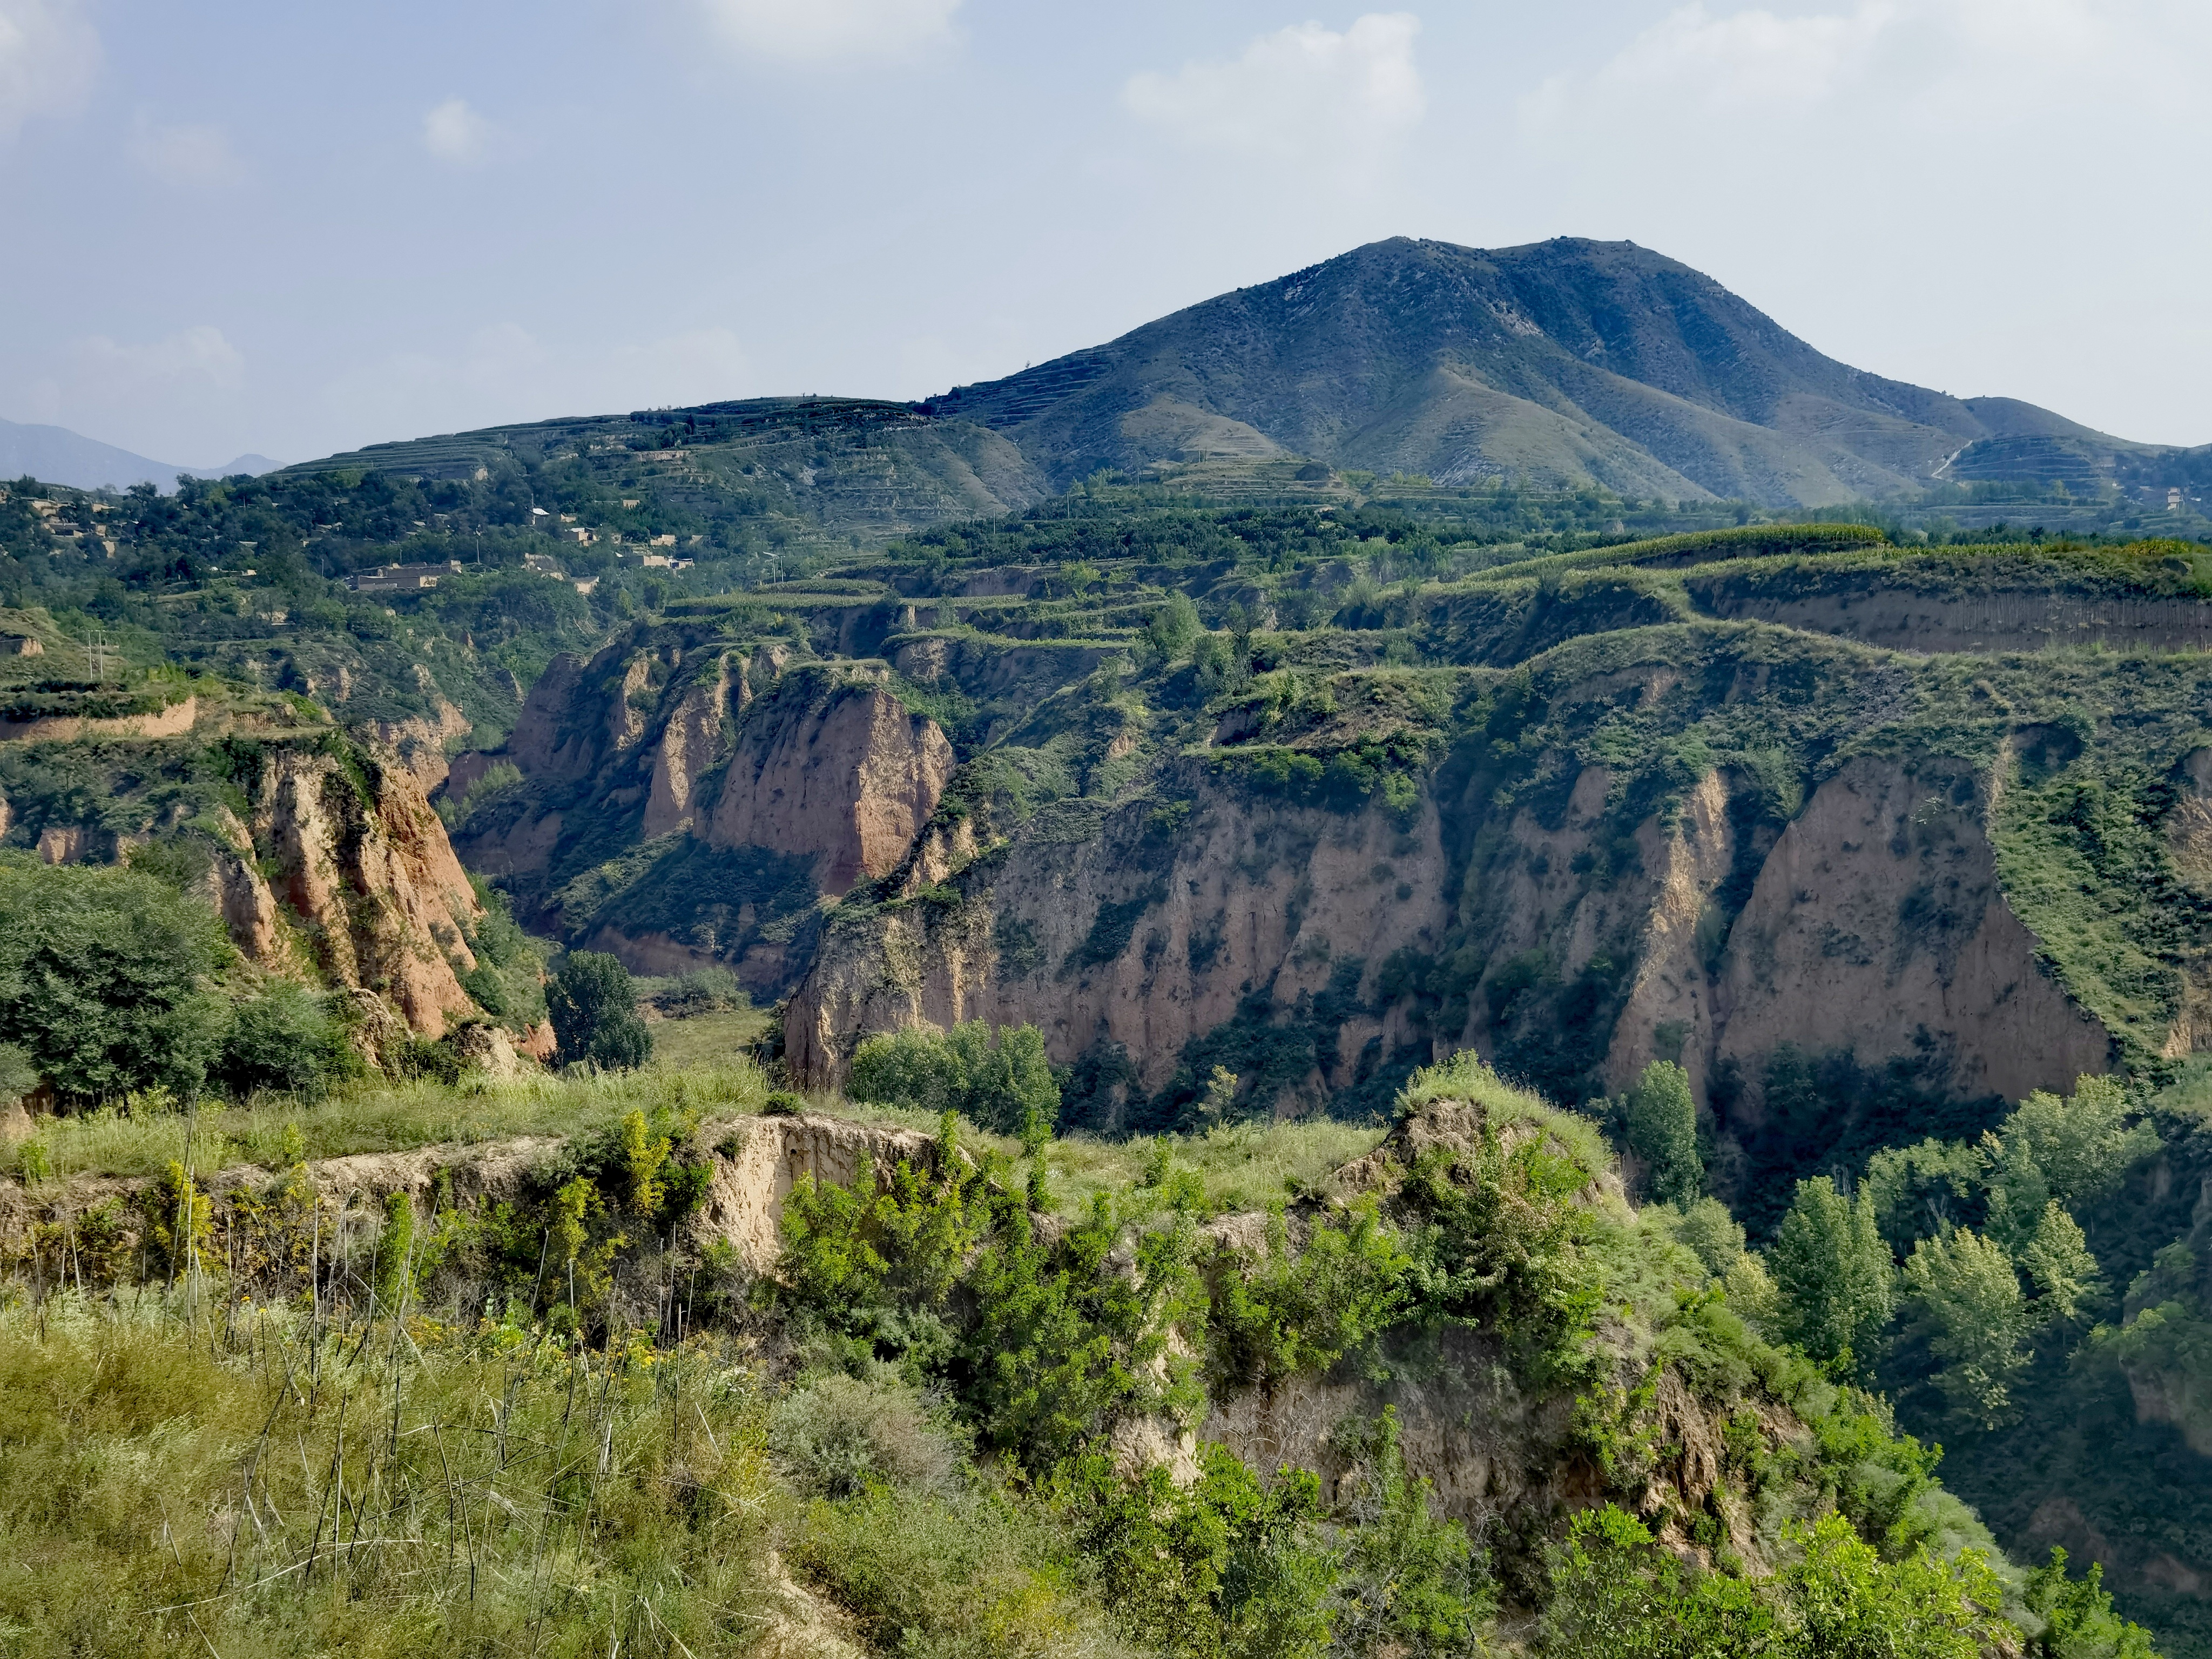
x=1951, y=65
x=48, y=57
x=1302, y=93
x=502, y=372
x=191, y=157
x=454, y=132
x=199, y=354
x=817, y=31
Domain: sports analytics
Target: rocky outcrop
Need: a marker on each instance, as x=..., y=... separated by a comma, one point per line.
x=234, y=886
x=836, y=769
x=363, y=865
x=1872, y=923
x=1131, y=930
x=424, y=744
x=693, y=739
x=1877, y=923
x=1906, y=607
x=546, y=743
x=761, y=1159
x=173, y=722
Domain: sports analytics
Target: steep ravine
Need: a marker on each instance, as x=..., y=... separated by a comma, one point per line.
x=1146, y=939
x=686, y=798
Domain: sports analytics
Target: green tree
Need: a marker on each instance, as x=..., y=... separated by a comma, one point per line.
x=285, y=1039
x=1662, y=1131
x=593, y=1003
x=2075, y=1152
x=1410, y=1582
x=2057, y=1263
x=1968, y=1295
x=2079, y=1622
x=1832, y=1272
x=105, y=980
x=1713, y=1236
x=997, y=1080
x=1173, y=629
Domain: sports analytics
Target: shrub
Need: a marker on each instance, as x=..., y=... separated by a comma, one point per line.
x=961, y=1577
x=1307, y=1311
x=104, y=980
x=286, y=1039
x=838, y=1436
x=1412, y=1581
x=1619, y=1595
x=1227, y=1565
x=594, y=1009
x=997, y=1079
x=703, y=991
x=1504, y=1244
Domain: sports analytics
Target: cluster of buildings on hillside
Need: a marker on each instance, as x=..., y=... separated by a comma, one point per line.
x=414, y=577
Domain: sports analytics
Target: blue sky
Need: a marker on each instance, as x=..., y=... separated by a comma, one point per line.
x=291, y=229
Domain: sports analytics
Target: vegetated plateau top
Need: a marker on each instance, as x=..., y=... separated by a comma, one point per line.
x=1564, y=363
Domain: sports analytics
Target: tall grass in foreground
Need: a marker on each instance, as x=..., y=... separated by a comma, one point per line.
x=268, y=1486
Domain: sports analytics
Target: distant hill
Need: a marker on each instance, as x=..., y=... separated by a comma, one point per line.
x=1563, y=362
x=803, y=466
x=57, y=455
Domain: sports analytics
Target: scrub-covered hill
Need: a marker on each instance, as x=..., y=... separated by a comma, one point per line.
x=709, y=1369
x=1562, y=363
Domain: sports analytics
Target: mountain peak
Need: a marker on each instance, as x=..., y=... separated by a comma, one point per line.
x=1567, y=362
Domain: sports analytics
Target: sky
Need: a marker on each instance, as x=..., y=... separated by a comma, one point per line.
x=240, y=227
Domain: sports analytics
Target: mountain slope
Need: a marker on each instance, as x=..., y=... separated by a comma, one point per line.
x=57, y=455
x=1562, y=363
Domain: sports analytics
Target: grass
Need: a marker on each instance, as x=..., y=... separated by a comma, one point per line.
x=266, y=1487
x=707, y=1040
x=700, y=1064
x=1466, y=1077
x=386, y=1117
x=1243, y=1166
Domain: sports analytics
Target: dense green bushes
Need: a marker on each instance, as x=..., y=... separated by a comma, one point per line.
x=999, y=1079
x=594, y=1007
x=1618, y=1595
x=1042, y=1339
x=289, y=1039
x=106, y=980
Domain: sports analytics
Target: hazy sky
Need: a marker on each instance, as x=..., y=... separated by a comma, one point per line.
x=295, y=228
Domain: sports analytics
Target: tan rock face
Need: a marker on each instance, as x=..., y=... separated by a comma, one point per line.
x=745, y=1203
x=1671, y=992
x=373, y=880
x=1878, y=920
x=1877, y=607
x=690, y=743
x=1875, y=923
x=846, y=775
x=423, y=745
x=233, y=885
x=544, y=744
x=171, y=722
x=1111, y=927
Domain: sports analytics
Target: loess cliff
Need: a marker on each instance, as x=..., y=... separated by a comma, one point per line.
x=320, y=852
